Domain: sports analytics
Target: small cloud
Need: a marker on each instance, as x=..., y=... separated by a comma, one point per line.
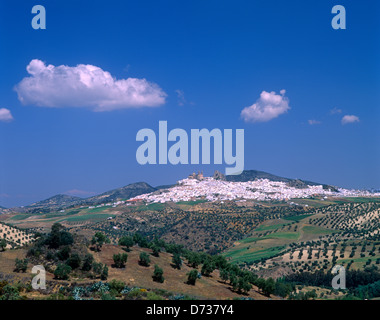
x=312, y=122
x=269, y=106
x=350, y=119
x=79, y=193
x=335, y=111
x=181, y=101
x=4, y=195
x=127, y=67
x=180, y=97
x=5, y=115
x=85, y=86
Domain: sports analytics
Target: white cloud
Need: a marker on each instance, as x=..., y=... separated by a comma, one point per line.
x=85, y=86
x=312, y=122
x=269, y=106
x=5, y=115
x=350, y=119
x=180, y=97
x=335, y=110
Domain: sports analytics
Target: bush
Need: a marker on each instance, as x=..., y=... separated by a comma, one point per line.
x=9, y=293
x=57, y=237
x=62, y=272
x=116, y=285
x=74, y=261
x=98, y=240
x=158, y=274
x=207, y=268
x=104, y=274
x=156, y=250
x=153, y=296
x=144, y=259
x=64, y=253
x=21, y=265
x=192, y=277
x=87, y=262
x=119, y=260
x=177, y=261
x=3, y=244
x=126, y=242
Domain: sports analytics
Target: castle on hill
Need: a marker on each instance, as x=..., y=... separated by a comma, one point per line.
x=198, y=176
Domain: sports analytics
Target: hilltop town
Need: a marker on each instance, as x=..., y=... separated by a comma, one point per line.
x=217, y=189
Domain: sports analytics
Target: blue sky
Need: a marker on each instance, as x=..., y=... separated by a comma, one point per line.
x=205, y=61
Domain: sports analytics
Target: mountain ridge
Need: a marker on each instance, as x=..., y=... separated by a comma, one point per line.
x=63, y=201
x=251, y=175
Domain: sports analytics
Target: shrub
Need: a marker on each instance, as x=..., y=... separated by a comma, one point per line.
x=144, y=259
x=116, y=285
x=74, y=261
x=9, y=293
x=21, y=265
x=98, y=240
x=156, y=250
x=87, y=262
x=64, y=253
x=119, y=260
x=62, y=272
x=207, y=268
x=158, y=274
x=126, y=241
x=104, y=274
x=192, y=277
x=177, y=261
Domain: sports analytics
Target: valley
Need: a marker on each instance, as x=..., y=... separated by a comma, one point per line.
x=280, y=238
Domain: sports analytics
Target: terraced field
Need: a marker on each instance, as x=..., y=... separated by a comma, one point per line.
x=346, y=233
x=15, y=237
x=271, y=238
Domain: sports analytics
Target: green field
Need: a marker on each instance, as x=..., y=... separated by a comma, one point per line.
x=271, y=227
x=94, y=210
x=247, y=256
x=297, y=218
x=356, y=200
x=315, y=203
x=153, y=207
x=268, y=240
x=191, y=203
x=317, y=230
x=20, y=217
x=89, y=217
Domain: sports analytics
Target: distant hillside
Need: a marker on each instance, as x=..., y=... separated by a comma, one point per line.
x=251, y=175
x=56, y=202
x=165, y=186
x=129, y=191
x=63, y=201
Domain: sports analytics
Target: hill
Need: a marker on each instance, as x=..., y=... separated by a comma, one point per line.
x=56, y=202
x=85, y=264
x=251, y=175
x=129, y=191
x=63, y=201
